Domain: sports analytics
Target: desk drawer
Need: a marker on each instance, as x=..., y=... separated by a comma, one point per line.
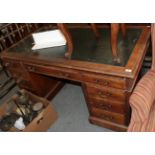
x=18, y=73
x=108, y=105
x=108, y=116
x=105, y=93
x=56, y=72
x=22, y=80
x=10, y=64
x=104, y=80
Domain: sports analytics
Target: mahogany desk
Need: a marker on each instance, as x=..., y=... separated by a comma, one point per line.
x=106, y=84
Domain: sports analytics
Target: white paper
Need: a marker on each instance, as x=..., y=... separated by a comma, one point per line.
x=48, y=39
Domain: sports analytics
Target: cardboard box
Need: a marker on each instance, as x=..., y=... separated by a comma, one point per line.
x=42, y=121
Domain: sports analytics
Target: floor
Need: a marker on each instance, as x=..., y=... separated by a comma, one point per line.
x=71, y=107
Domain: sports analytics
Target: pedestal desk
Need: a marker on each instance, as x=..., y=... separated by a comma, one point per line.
x=106, y=84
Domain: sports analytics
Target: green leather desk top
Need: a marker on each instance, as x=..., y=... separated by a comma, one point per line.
x=86, y=47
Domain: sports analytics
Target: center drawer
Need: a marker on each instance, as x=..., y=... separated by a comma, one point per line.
x=55, y=72
x=11, y=64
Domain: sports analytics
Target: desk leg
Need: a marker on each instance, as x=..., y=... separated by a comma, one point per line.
x=95, y=30
x=114, y=40
x=63, y=28
x=123, y=27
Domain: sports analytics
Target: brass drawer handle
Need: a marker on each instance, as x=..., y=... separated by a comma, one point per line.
x=7, y=64
x=105, y=107
x=104, y=95
x=105, y=83
x=64, y=74
x=109, y=118
x=30, y=68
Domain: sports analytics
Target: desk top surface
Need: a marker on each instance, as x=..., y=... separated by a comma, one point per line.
x=87, y=49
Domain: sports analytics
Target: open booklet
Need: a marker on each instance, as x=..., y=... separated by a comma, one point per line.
x=48, y=39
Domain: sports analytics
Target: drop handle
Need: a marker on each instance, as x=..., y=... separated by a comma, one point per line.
x=30, y=68
x=110, y=118
x=7, y=64
x=104, y=95
x=64, y=74
x=105, y=83
x=105, y=107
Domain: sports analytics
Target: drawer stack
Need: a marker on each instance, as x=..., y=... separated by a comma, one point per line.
x=107, y=100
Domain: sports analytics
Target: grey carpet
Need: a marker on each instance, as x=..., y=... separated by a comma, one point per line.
x=73, y=112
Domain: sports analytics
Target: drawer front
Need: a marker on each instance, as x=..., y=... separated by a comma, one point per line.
x=18, y=74
x=10, y=64
x=108, y=116
x=104, y=80
x=16, y=69
x=106, y=93
x=22, y=80
x=108, y=105
x=55, y=72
